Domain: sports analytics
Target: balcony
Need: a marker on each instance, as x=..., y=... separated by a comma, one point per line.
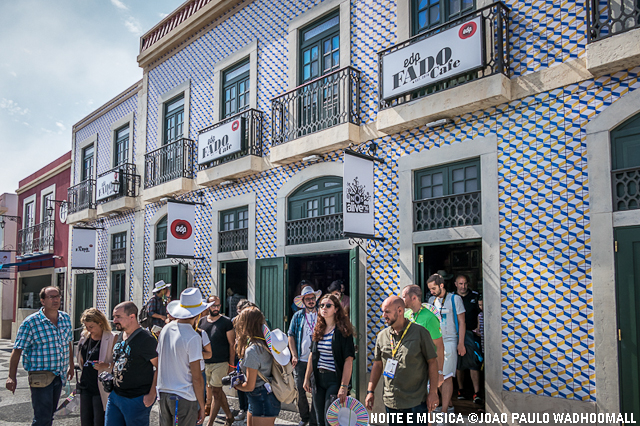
x=169, y=170
x=161, y=250
x=118, y=255
x=449, y=211
x=436, y=89
x=315, y=229
x=117, y=189
x=317, y=117
x=81, y=202
x=37, y=239
x=246, y=152
x=236, y=239
x=613, y=35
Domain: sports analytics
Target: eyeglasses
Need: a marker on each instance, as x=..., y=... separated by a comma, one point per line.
x=326, y=305
x=53, y=297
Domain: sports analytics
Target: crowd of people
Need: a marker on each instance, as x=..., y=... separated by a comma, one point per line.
x=190, y=351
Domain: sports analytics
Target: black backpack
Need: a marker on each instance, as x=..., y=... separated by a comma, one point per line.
x=144, y=318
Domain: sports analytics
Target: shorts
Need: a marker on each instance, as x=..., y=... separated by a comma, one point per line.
x=263, y=403
x=215, y=373
x=450, y=358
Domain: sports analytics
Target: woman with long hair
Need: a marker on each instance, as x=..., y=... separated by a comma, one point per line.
x=255, y=357
x=95, y=354
x=332, y=355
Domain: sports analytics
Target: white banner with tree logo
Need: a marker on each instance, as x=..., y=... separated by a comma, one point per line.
x=5, y=258
x=358, y=195
x=83, y=248
x=180, y=226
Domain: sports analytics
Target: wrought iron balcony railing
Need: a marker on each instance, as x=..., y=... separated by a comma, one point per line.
x=118, y=255
x=36, y=239
x=161, y=250
x=315, y=229
x=82, y=196
x=626, y=189
x=322, y=103
x=171, y=161
x=128, y=182
x=253, y=122
x=236, y=239
x=495, y=21
x=447, y=212
x=610, y=17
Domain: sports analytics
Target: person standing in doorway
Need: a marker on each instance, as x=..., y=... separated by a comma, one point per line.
x=157, y=305
x=222, y=336
x=300, y=331
x=45, y=341
x=337, y=289
x=135, y=373
x=470, y=300
x=453, y=328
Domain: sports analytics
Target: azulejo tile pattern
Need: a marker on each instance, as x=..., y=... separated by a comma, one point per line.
x=546, y=286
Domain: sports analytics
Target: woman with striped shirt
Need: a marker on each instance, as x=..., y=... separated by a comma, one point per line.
x=332, y=355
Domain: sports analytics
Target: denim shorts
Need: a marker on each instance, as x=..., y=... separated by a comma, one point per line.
x=263, y=403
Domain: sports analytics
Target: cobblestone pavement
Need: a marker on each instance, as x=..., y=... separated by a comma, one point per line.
x=15, y=409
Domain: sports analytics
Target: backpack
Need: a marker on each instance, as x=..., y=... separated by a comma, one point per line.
x=282, y=384
x=144, y=318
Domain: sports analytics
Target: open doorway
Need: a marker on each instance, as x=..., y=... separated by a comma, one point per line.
x=455, y=259
x=176, y=275
x=233, y=285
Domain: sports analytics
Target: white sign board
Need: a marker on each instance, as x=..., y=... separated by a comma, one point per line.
x=5, y=258
x=358, y=195
x=180, y=222
x=64, y=212
x=442, y=56
x=83, y=248
x=105, y=186
x=220, y=142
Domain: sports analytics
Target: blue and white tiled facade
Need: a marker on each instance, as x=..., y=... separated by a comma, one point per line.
x=546, y=294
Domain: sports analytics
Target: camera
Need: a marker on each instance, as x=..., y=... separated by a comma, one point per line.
x=233, y=379
x=106, y=379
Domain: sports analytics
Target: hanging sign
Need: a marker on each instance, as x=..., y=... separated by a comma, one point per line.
x=358, y=195
x=180, y=232
x=442, y=56
x=83, y=248
x=5, y=258
x=64, y=212
x=107, y=186
x=221, y=141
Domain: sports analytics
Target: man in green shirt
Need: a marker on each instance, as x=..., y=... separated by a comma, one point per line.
x=407, y=355
x=420, y=313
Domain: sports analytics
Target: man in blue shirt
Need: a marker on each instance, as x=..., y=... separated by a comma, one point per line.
x=46, y=342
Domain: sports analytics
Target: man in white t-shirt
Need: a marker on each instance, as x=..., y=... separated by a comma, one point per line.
x=180, y=381
x=453, y=328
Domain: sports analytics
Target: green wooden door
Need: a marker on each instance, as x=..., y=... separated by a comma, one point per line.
x=419, y=270
x=354, y=312
x=161, y=273
x=84, y=298
x=628, y=293
x=270, y=291
x=181, y=282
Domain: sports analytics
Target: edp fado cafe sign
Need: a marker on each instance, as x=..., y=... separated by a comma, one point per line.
x=107, y=186
x=442, y=56
x=220, y=141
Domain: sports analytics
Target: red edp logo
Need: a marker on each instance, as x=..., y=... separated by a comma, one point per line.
x=467, y=30
x=235, y=125
x=181, y=229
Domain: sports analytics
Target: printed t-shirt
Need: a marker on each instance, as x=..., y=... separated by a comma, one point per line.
x=132, y=368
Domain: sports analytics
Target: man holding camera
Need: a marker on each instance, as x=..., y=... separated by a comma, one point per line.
x=134, y=378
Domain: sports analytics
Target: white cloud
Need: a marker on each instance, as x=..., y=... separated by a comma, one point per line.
x=133, y=25
x=60, y=126
x=12, y=107
x=163, y=15
x=119, y=4
x=13, y=73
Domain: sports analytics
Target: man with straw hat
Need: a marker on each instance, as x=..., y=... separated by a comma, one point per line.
x=180, y=381
x=157, y=305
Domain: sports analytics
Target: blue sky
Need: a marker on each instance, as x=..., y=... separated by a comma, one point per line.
x=60, y=60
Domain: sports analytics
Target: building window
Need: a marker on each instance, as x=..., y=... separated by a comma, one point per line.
x=173, y=120
x=237, y=218
x=47, y=201
x=119, y=248
x=431, y=13
x=320, y=48
x=29, y=214
x=235, y=89
x=87, y=162
x=118, y=288
x=121, y=150
x=320, y=197
x=161, y=239
x=625, y=165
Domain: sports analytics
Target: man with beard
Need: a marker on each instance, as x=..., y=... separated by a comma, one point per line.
x=407, y=355
x=302, y=324
x=223, y=353
x=134, y=359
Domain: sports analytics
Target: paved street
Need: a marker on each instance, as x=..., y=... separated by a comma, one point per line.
x=16, y=409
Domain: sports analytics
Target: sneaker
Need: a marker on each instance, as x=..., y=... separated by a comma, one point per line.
x=461, y=394
x=241, y=415
x=450, y=409
x=477, y=399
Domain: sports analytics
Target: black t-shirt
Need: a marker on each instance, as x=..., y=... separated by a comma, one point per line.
x=132, y=368
x=472, y=309
x=217, y=332
x=90, y=351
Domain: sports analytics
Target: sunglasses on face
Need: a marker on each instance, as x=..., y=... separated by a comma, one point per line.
x=326, y=305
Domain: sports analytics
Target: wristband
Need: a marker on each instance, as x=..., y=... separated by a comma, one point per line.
x=232, y=366
x=344, y=386
x=368, y=392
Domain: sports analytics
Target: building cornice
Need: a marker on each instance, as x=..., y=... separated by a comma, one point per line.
x=120, y=98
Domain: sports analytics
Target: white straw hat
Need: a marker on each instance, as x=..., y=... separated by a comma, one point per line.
x=189, y=305
x=160, y=285
x=278, y=344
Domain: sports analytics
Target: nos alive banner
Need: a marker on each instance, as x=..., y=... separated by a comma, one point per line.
x=358, y=195
x=180, y=235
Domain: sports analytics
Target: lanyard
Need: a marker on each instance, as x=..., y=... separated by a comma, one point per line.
x=394, y=350
x=311, y=325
